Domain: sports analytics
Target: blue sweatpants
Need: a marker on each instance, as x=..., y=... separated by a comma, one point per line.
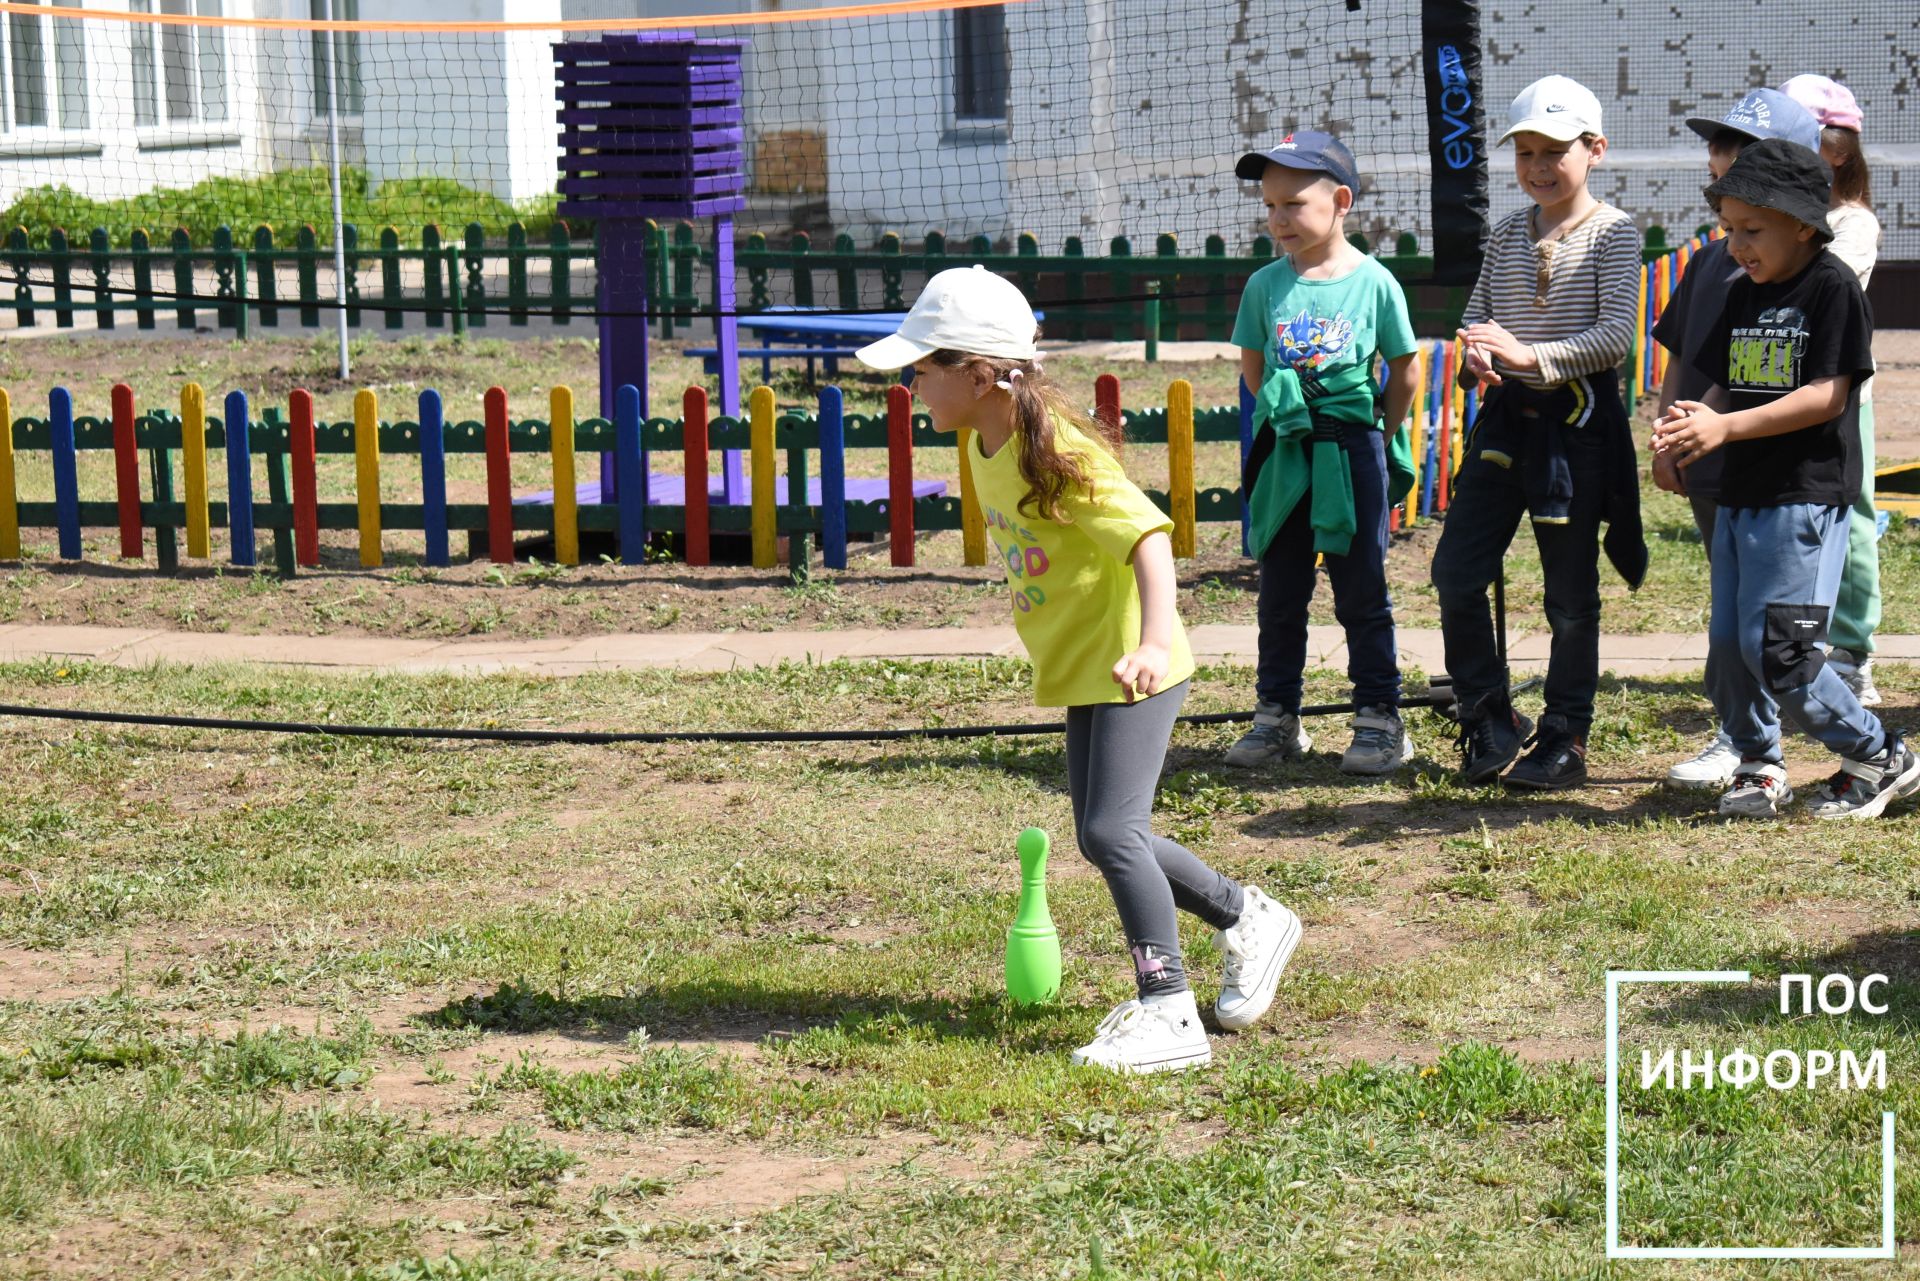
x=1775, y=575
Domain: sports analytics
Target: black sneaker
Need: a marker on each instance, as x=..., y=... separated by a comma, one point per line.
x=1490, y=736
x=1558, y=759
x=1863, y=789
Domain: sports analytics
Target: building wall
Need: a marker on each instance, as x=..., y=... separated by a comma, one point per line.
x=1191, y=88
x=113, y=157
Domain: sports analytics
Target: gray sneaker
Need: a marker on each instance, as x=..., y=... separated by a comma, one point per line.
x=1275, y=736
x=1856, y=669
x=1863, y=789
x=1380, y=743
x=1759, y=790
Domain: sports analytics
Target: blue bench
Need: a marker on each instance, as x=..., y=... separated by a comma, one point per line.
x=829, y=356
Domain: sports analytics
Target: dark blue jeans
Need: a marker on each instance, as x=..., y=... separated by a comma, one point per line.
x=1360, y=599
x=1489, y=502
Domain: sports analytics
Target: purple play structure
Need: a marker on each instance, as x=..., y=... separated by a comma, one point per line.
x=652, y=127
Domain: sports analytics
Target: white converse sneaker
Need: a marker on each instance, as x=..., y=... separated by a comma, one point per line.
x=1759, y=790
x=1714, y=767
x=1157, y=1034
x=1275, y=736
x=1856, y=669
x=1256, y=948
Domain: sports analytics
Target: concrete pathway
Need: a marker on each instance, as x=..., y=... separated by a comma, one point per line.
x=1625, y=655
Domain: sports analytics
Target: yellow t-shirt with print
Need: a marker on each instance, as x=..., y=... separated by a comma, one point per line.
x=1075, y=602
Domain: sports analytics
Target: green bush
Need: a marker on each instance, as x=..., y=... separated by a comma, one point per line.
x=282, y=201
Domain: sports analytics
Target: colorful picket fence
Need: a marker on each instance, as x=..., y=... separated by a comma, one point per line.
x=176, y=449
x=1659, y=278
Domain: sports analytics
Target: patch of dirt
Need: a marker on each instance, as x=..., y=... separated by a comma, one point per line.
x=1348, y=1041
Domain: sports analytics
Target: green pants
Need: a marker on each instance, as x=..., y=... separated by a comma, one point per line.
x=1856, y=615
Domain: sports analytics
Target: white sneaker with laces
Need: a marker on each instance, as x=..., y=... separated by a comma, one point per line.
x=1155, y=1034
x=1714, y=767
x=1256, y=948
x=1856, y=669
x=1759, y=790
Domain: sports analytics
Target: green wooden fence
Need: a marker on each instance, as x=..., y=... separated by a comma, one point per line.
x=463, y=283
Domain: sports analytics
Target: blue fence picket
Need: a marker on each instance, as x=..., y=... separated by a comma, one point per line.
x=631, y=475
x=1246, y=447
x=833, y=480
x=239, y=479
x=433, y=477
x=66, y=472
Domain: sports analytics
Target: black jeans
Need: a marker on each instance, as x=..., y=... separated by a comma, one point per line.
x=1489, y=501
x=1360, y=599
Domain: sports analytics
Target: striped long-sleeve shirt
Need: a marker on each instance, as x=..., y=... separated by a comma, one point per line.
x=1574, y=300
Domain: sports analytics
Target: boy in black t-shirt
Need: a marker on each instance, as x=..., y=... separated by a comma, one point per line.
x=1787, y=357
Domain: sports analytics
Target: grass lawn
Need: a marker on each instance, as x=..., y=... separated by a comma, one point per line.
x=340, y=1009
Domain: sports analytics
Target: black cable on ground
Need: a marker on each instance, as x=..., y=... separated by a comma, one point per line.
x=1438, y=698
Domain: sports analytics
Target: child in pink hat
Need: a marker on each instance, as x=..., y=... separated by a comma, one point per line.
x=1856, y=242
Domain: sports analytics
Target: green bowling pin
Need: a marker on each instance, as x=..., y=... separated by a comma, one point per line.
x=1033, y=948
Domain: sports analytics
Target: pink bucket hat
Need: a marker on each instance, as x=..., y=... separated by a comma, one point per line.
x=1831, y=102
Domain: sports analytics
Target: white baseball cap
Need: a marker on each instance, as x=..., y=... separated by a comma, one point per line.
x=1560, y=108
x=962, y=309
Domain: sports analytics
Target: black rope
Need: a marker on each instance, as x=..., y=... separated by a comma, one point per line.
x=1434, y=699
x=580, y=308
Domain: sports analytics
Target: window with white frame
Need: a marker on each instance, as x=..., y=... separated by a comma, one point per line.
x=43, y=64
x=349, y=97
x=980, y=70
x=179, y=69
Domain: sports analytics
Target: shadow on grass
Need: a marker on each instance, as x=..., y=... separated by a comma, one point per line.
x=1892, y=952
x=725, y=1011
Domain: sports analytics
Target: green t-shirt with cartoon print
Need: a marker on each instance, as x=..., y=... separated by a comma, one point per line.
x=1315, y=327
x=1075, y=603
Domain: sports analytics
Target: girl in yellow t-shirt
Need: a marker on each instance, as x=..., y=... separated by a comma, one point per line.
x=1090, y=566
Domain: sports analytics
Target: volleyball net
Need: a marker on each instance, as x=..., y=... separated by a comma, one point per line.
x=1084, y=126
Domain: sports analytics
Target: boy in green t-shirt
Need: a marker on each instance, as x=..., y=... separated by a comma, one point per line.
x=1318, y=479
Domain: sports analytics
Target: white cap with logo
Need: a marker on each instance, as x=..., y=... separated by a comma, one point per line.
x=1556, y=106
x=962, y=309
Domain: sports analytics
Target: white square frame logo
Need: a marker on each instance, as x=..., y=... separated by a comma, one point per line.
x=1885, y=1250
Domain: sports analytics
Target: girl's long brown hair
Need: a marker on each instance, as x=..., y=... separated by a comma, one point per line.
x=1851, y=185
x=1038, y=402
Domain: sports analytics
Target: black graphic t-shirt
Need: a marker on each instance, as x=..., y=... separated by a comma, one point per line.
x=1772, y=339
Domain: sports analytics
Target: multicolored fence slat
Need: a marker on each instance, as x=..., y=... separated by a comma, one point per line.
x=366, y=473
x=900, y=475
x=193, y=467
x=630, y=474
x=566, y=502
x=760, y=428
x=693, y=440
x=126, y=473
x=1439, y=425
x=239, y=479
x=433, y=477
x=66, y=472
x=9, y=505
x=1180, y=495
x=499, y=478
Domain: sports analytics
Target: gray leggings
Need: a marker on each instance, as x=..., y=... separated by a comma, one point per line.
x=1114, y=755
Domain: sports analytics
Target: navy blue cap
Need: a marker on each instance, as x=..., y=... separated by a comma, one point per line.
x=1304, y=149
x=1764, y=113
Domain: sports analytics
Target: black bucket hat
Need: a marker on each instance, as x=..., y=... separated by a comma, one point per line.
x=1776, y=174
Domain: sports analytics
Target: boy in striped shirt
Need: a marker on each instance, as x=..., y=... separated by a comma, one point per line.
x=1549, y=322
